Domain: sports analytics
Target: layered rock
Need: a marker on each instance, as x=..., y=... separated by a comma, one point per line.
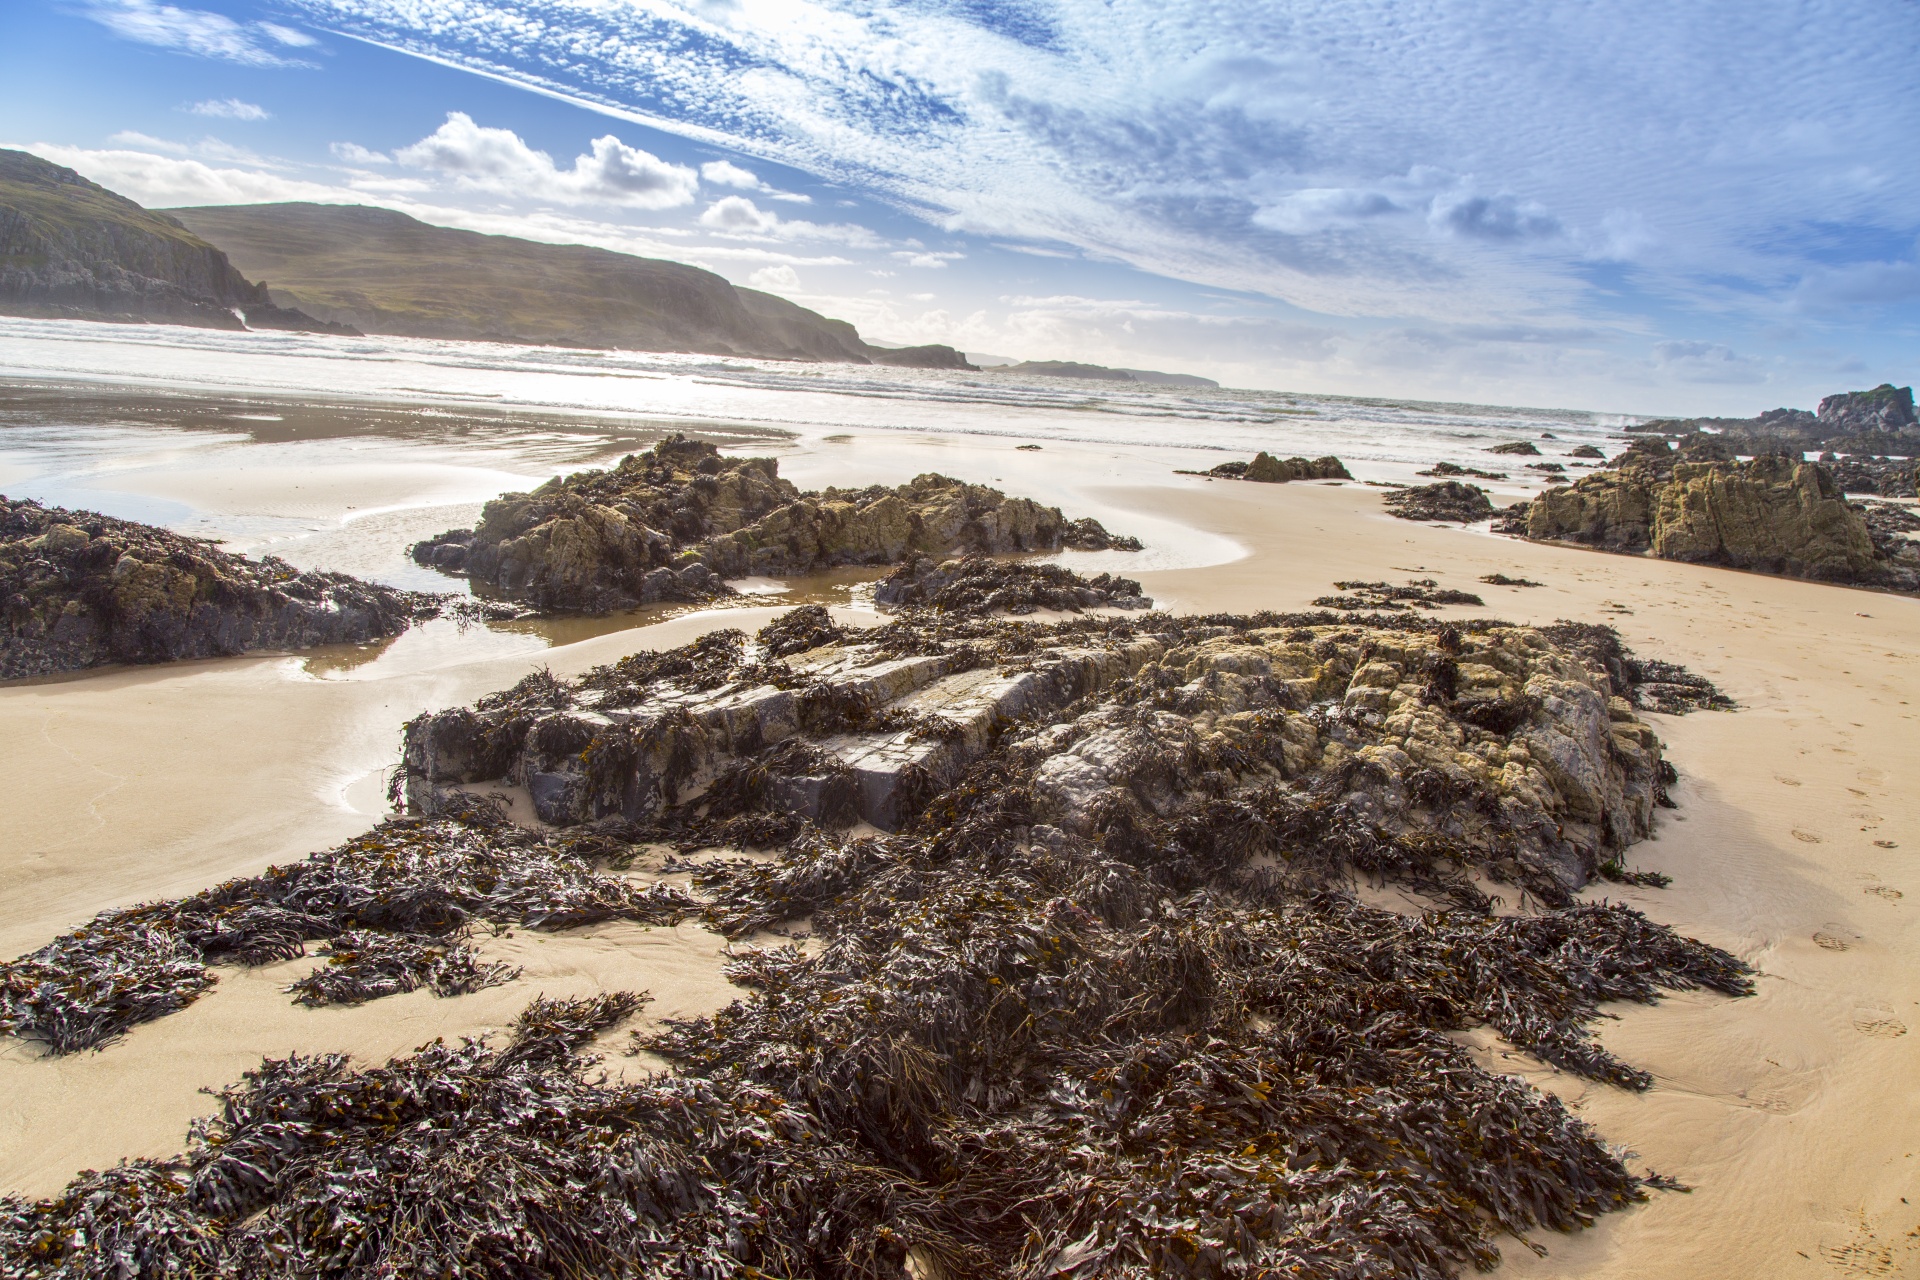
x=80, y=590
x=72, y=249
x=1122, y=722
x=674, y=522
x=1773, y=515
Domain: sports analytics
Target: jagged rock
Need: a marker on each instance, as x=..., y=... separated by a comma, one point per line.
x=978, y=586
x=1448, y=500
x=673, y=522
x=1122, y=721
x=1267, y=469
x=1518, y=448
x=80, y=590
x=1883, y=477
x=1773, y=515
x=1586, y=451
x=1885, y=408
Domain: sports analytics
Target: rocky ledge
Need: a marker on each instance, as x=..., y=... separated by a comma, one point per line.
x=1101, y=999
x=1127, y=725
x=674, y=522
x=1447, y=500
x=1773, y=514
x=81, y=590
x=978, y=586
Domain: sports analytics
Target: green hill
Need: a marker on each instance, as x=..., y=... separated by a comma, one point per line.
x=384, y=272
x=70, y=248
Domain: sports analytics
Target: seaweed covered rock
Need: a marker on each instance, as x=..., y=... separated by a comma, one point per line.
x=1100, y=1003
x=81, y=590
x=1267, y=469
x=1773, y=514
x=1517, y=448
x=978, y=586
x=1139, y=722
x=1882, y=477
x=675, y=521
x=1447, y=500
x=1885, y=408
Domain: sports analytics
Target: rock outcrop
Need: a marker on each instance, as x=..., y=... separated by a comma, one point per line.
x=1267, y=469
x=1773, y=515
x=978, y=586
x=1128, y=725
x=70, y=249
x=674, y=522
x=1885, y=408
x=1448, y=500
x=81, y=590
x=385, y=272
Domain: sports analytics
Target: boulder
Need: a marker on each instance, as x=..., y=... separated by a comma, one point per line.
x=1267, y=469
x=1448, y=500
x=1885, y=408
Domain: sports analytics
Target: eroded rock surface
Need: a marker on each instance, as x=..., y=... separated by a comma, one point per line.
x=674, y=522
x=81, y=590
x=978, y=586
x=1126, y=726
x=1447, y=500
x=1773, y=514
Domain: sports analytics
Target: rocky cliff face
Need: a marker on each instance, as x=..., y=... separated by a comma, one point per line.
x=384, y=272
x=1773, y=515
x=81, y=590
x=72, y=249
x=673, y=522
x=1885, y=408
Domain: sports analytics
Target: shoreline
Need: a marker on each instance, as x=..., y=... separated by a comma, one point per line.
x=1765, y=1106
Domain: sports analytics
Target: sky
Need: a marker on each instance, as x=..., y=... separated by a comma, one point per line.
x=1624, y=205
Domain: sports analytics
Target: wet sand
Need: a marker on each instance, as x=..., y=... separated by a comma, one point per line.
x=1785, y=1112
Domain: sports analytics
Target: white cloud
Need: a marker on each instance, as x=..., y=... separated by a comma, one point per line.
x=230, y=109
x=1315, y=209
x=1692, y=360
x=738, y=214
x=724, y=174
x=1498, y=217
x=782, y=279
x=200, y=32
x=498, y=160
x=354, y=153
x=206, y=148
x=923, y=258
x=159, y=181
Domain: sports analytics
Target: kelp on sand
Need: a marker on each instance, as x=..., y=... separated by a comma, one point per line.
x=1165, y=1041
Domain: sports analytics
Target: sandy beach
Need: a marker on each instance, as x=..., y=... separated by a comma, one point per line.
x=1791, y=847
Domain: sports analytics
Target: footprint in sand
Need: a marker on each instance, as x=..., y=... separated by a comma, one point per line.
x=1806, y=836
x=1878, y=1022
x=1887, y=844
x=1829, y=941
x=1887, y=892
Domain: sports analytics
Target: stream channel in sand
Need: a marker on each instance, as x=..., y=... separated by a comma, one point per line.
x=1794, y=843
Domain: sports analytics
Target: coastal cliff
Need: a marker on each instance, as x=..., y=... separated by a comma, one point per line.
x=384, y=272
x=671, y=523
x=71, y=249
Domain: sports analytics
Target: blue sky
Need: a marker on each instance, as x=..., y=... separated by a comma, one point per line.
x=1628, y=205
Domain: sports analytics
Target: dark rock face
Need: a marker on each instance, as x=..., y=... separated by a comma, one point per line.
x=1517, y=448
x=1883, y=477
x=1445, y=469
x=1885, y=408
x=81, y=590
x=72, y=249
x=1267, y=469
x=673, y=522
x=1586, y=451
x=1449, y=500
x=1773, y=514
x=977, y=586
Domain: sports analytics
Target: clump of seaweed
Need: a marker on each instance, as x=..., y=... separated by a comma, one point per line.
x=394, y=904
x=979, y=585
x=1419, y=593
x=1502, y=580
x=1646, y=683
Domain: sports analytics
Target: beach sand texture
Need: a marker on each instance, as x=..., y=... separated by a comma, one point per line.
x=1788, y=1113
